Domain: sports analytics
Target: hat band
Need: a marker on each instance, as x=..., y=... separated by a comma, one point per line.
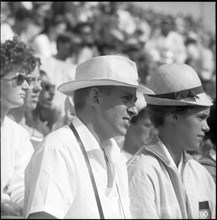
x=180, y=94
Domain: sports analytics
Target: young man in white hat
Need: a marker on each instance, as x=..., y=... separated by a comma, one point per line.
x=78, y=172
x=165, y=182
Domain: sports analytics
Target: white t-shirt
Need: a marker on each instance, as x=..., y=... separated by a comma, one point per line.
x=58, y=182
x=16, y=151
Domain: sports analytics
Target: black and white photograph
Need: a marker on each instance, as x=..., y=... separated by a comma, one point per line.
x=108, y=110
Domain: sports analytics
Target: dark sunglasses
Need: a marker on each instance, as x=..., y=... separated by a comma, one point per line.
x=20, y=78
x=47, y=87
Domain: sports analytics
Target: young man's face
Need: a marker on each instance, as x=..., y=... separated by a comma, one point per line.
x=192, y=127
x=116, y=110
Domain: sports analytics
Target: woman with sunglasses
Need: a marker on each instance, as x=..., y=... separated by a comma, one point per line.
x=16, y=149
x=21, y=113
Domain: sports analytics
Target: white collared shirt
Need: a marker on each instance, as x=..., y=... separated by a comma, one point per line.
x=58, y=182
x=172, y=162
x=157, y=189
x=16, y=151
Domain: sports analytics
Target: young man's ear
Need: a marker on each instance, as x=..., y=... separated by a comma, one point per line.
x=176, y=117
x=94, y=97
x=173, y=118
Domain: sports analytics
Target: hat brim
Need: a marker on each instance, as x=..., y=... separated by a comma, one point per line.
x=69, y=88
x=201, y=100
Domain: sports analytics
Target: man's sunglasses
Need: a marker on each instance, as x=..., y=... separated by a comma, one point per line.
x=20, y=78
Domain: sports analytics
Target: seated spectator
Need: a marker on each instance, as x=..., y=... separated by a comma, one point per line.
x=19, y=114
x=167, y=46
x=6, y=22
x=41, y=118
x=138, y=134
x=26, y=25
x=192, y=44
x=57, y=180
x=44, y=43
x=132, y=49
x=140, y=131
x=60, y=70
x=88, y=47
x=205, y=66
x=16, y=149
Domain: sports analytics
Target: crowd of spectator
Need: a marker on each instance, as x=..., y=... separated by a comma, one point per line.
x=99, y=28
x=65, y=34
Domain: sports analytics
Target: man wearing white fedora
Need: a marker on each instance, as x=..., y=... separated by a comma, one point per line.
x=164, y=181
x=78, y=171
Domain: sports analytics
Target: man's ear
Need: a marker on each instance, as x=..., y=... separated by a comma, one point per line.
x=174, y=114
x=173, y=118
x=94, y=97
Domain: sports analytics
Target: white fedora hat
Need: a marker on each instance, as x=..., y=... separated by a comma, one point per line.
x=109, y=70
x=177, y=84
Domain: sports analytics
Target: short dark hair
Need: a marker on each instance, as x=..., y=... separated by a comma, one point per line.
x=157, y=113
x=15, y=53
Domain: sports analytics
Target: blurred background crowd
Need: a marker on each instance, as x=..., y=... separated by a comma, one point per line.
x=64, y=34
x=97, y=28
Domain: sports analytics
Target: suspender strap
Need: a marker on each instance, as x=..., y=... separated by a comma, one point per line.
x=89, y=170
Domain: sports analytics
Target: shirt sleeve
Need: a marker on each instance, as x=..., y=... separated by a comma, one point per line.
x=50, y=185
x=142, y=193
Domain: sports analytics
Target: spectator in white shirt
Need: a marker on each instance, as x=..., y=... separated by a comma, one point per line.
x=58, y=183
x=16, y=149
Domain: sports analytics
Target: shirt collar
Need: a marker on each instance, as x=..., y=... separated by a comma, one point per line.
x=89, y=141
x=158, y=148
x=112, y=151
